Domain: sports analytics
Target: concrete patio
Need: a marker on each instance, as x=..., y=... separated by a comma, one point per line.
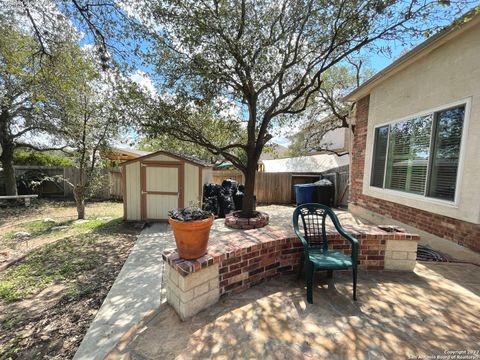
x=432, y=311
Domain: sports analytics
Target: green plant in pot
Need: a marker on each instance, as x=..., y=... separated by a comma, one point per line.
x=191, y=228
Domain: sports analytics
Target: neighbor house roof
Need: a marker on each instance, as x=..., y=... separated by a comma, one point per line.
x=459, y=26
x=121, y=153
x=275, y=151
x=306, y=164
x=187, y=158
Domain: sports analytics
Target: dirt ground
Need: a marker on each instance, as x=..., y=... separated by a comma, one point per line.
x=32, y=220
x=49, y=298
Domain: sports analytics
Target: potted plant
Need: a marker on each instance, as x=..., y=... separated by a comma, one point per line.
x=191, y=228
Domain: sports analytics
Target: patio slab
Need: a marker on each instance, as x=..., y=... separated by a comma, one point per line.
x=428, y=312
x=134, y=295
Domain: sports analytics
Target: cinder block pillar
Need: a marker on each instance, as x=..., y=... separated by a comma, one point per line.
x=400, y=255
x=193, y=292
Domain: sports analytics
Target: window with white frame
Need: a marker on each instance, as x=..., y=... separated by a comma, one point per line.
x=420, y=155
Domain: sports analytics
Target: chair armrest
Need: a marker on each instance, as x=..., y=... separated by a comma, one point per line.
x=353, y=241
x=301, y=237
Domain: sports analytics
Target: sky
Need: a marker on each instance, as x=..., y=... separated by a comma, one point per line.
x=376, y=61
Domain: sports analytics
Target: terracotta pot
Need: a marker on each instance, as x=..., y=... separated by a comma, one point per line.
x=191, y=237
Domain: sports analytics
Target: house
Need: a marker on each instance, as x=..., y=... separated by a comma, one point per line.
x=158, y=182
x=335, y=156
x=306, y=164
x=273, y=151
x=416, y=148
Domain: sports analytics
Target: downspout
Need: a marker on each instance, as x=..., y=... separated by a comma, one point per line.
x=350, y=147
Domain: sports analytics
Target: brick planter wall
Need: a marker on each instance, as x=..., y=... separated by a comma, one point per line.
x=235, y=222
x=461, y=232
x=250, y=257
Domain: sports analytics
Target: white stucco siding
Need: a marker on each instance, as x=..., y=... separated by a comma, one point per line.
x=449, y=74
x=335, y=139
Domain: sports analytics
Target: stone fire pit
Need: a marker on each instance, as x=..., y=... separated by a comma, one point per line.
x=234, y=221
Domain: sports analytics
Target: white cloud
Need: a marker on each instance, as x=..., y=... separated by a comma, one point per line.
x=145, y=82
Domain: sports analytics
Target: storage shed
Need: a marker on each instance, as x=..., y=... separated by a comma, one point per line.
x=161, y=181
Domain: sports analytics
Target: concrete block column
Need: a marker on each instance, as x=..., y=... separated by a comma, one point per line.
x=191, y=293
x=400, y=255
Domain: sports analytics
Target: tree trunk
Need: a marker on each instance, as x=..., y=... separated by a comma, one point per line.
x=8, y=171
x=79, y=193
x=248, y=203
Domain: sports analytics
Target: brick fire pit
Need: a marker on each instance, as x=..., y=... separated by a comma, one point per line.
x=237, y=260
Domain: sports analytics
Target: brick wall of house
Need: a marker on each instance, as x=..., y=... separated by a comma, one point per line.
x=460, y=232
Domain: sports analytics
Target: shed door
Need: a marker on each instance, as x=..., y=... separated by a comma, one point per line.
x=162, y=189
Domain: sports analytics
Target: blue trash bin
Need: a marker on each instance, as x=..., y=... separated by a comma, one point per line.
x=305, y=193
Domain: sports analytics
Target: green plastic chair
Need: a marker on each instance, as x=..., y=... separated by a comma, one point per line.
x=316, y=255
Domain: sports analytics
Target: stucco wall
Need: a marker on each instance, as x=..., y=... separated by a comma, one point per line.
x=448, y=74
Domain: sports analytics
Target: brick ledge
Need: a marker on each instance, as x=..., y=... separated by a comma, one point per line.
x=224, y=247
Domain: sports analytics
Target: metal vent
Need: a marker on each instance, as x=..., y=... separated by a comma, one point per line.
x=425, y=253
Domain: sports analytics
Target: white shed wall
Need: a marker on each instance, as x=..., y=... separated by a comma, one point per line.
x=191, y=185
x=132, y=187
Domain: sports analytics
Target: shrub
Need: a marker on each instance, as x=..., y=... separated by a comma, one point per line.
x=40, y=159
x=189, y=214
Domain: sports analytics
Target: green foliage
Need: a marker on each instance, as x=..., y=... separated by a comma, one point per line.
x=191, y=213
x=32, y=180
x=40, y=159
x=329, y=111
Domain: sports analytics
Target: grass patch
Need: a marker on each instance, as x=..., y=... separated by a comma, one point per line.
x=79, y=291
x=60, y=261
x=38, y=227
x=13, y=320
x=8, y=235
x=10, y=348
x=89, y=224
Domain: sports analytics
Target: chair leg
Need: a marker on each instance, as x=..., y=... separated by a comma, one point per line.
x=354, y=271
x=309, y=275
x=329, y=274
x=300, y=266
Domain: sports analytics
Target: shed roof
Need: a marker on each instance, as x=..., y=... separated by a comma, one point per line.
x=187, y=158
x=460, y=25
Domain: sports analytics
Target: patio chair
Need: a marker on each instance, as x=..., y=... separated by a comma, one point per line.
x=316, y=255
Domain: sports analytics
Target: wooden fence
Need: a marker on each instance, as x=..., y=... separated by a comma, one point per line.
x=220, y=175
x=278, y=188
x=270, y=188
x=110, y=186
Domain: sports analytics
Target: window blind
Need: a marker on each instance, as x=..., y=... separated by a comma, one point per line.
x=407, y=162
x=446, y=151
x=420, y=155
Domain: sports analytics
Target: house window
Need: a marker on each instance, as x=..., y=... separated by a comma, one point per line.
x=420, y=155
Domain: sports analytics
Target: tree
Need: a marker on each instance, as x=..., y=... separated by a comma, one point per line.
x=330, y=111
x=25, y=87
x=92, y=117
x=269, y=58
x=169, y=143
